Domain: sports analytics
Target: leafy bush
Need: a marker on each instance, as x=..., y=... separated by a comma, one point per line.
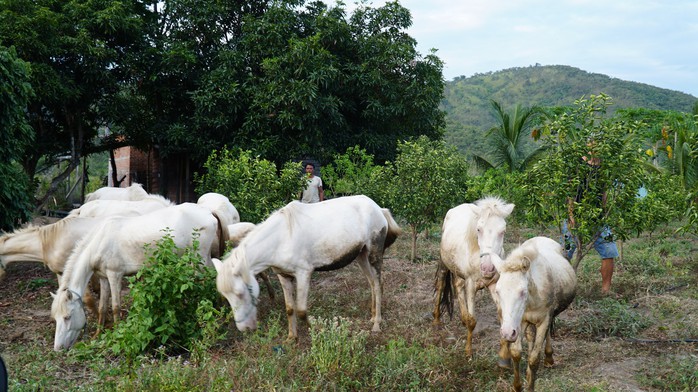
x=255, y=186
x=348, y=174
x=426, y=180
x=502, y=183
x=171, y=310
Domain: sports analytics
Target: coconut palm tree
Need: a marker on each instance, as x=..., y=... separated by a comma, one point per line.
x=507, y=140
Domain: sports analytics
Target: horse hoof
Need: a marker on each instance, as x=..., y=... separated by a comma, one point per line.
x=504, y=363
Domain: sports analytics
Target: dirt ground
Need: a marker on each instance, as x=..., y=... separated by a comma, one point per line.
x=25, y=303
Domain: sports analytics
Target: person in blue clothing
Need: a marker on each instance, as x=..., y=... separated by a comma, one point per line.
x=604, y=243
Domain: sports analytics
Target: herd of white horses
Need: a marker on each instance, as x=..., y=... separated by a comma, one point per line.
x=106, y=238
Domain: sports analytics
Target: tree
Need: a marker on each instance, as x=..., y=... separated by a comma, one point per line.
x=425, y=180
x=300, y=81
x=507, y=140
x=76, y=50
x=15, y=137
x=348, y=173
x=254, y=185
x=557, y=177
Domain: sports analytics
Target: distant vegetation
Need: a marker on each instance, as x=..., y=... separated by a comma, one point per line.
x=469, y=113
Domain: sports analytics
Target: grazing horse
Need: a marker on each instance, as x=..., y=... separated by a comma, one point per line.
x=472, y=238
x=536, y=283
x=107, y=207
x=49, y=244
x=133, y=193
x=116, y=249
x=221, y=207
x=300, y=238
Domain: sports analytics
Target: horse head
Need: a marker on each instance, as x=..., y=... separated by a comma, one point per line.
x=238, y=285
x=69, y=312
x=512, y=290
x=491, y=226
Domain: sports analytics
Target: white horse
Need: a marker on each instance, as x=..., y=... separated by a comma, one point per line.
x=221, y=207
x=49, y=244
x=300, y=238
x=133, y=192
x=116, y=249
x=107, y=207
x=472, y=238
x=536, y=283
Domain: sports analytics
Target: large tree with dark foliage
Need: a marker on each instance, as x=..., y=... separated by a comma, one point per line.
x=288, y=79
x=284, y=79
x=78, y=51
x=15, y=138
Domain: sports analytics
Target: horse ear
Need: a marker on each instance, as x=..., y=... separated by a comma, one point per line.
x=218, y=264
x=53, y=295
x=525, y=263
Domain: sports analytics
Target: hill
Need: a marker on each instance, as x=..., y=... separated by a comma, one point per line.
x=467, y=99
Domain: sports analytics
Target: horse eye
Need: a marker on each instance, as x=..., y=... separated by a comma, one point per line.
x=66, y=318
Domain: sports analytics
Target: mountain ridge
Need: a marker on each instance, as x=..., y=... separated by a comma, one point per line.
x=467, y=99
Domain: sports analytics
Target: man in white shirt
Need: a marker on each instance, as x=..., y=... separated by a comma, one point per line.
x=313, y=192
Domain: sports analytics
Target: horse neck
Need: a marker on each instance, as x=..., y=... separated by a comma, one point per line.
x=24, y=246
x=78, y=272
x=254, y=257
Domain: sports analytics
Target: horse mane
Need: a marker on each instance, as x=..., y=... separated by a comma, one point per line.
x=237, y=262
x=492, y=205
x=520, y=259
x=59, y=307
x=4, y=236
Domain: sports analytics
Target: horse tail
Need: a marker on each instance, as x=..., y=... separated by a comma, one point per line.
x=444, y=278
x=222, y=233
x=393, y=229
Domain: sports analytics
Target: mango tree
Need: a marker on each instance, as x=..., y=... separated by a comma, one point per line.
x=591, y=175
x=425, y=180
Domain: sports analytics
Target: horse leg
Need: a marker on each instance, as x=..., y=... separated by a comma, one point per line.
x=302, y=289
x=504, y=361
x=549, y=362
x=115, y=286
x=289, y=300
x=466, y=304
x=88, y=298
x=534, y=354
x=103, y=305
x=373, y=273
x=515, y=350
x=265, y=278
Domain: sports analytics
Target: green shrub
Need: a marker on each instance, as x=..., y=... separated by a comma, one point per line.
x=254, y=185
x=171, y=310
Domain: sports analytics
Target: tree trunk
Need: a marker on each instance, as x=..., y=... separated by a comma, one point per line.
x=414, y=243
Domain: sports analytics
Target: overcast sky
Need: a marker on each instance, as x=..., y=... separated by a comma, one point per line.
x=647, y=41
